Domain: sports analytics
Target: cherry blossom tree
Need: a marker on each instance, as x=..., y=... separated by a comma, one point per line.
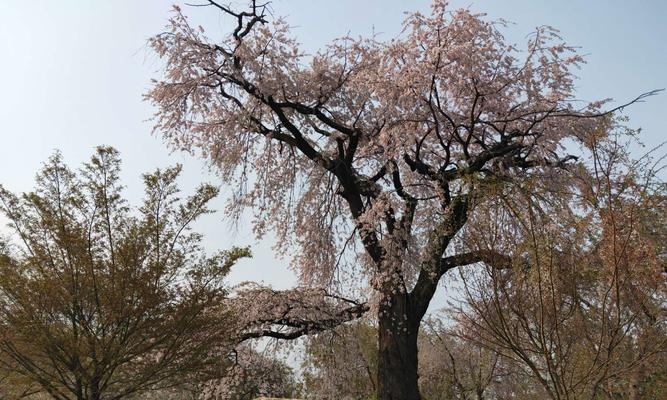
x=253, y=374
x=368, y=158
x=341, y=363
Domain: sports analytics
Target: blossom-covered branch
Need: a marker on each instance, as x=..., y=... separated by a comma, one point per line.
x=289, y=314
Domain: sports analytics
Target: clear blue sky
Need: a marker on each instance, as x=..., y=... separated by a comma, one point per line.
x=72, y=74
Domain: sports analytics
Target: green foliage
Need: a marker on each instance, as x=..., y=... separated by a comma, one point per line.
x=100, y=302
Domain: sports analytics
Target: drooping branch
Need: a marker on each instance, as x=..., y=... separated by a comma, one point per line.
x=409, y=129
x=353, y=188
x=290, y=314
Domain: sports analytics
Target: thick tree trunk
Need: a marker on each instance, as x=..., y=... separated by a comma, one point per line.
x=397, y=363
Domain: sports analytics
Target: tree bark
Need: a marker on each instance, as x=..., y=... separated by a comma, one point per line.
x=397, y=340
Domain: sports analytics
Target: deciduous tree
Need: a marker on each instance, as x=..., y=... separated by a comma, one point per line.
x=341, y=363
x=251, y=375
x=582, y=308
x=368, y=158
x=100, y=301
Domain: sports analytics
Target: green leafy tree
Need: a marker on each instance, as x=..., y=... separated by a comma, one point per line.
x=100, y=301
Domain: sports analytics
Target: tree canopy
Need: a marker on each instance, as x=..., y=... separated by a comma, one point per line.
x=99, y=300
x=378, y=163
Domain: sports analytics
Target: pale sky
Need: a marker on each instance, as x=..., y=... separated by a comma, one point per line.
x=72, y=75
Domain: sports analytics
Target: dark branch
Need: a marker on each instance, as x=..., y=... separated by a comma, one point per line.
x=489, y=257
